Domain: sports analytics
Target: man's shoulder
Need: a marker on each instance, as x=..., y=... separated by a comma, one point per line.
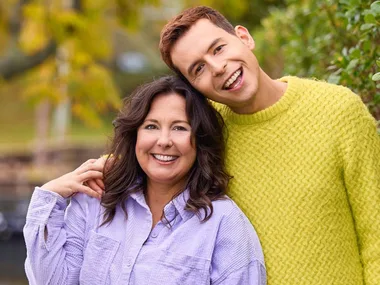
x=316, y=85
x=322, y=94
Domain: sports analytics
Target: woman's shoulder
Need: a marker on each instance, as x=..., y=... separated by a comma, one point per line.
x=85, y=199
x=82, y=203
x=235, y=227
x=226, y=207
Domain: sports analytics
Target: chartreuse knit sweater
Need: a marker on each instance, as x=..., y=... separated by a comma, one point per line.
x=307, y=174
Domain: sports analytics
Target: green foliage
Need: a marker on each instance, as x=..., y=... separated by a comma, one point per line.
x=338, y=41
x=376, y=76
x=242, y=12
x=84, y=30
x=85, y=37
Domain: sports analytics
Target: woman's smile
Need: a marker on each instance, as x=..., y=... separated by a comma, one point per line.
x=164, y=147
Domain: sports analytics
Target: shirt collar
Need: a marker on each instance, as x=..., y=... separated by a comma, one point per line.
x=178, y=204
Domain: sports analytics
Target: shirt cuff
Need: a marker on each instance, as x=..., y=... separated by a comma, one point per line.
x=46, y=206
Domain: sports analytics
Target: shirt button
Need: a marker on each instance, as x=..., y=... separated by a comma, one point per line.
x=154, y=234
x=48, y=200
x=129, y=263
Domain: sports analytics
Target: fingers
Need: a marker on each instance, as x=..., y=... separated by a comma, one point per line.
x=100, y=183
x=90, y=174
x=94, y=186
x=87, y=190
x=88, y=166
x=89, y=161
x=95, y=183
x=106, y=161
x=90, y=177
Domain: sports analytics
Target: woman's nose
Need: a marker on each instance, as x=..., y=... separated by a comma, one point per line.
x=164, y=140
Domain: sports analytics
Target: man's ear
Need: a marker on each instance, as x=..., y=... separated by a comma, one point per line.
x=243, y=34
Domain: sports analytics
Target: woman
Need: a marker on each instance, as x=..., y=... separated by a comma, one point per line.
x=163, y=218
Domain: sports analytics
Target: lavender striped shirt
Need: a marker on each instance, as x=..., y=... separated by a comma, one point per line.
x=223, y=250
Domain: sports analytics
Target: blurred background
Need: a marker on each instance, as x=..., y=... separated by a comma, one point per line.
x=65, y=66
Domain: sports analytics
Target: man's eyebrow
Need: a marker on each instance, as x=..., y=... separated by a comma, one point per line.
x=213, y=43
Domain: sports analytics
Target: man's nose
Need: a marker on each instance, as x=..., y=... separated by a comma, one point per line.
x=218, y=67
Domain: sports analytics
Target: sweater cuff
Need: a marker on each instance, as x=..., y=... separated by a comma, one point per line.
x=46, y=206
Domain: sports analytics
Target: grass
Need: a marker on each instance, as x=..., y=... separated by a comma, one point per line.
x=17, y=137
x=21, y=137
x=17, y=125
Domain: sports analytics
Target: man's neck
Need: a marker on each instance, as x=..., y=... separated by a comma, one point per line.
x=269, y=92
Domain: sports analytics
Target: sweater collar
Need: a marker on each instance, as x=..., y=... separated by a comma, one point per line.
x=264, y=115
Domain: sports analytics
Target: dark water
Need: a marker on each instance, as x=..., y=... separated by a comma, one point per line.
x=12, y=257
x=15, y=192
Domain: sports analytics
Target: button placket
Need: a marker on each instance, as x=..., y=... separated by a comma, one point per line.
x=156, y=230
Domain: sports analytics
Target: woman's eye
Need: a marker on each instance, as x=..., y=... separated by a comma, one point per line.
x=150, y=127
x=180, y=128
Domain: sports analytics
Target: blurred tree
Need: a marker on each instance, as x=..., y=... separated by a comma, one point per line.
x=59, y=51
x=32, y=30
x=244, y=12
x=41, y=24
x=338, y=41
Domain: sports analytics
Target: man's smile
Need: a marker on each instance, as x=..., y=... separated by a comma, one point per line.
x=234, y=80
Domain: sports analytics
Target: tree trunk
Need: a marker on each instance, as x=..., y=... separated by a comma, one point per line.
x=42, y=133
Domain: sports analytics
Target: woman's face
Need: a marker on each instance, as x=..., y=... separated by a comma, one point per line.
x=164, y=147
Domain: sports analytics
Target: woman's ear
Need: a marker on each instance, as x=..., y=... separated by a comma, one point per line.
x=243, y=34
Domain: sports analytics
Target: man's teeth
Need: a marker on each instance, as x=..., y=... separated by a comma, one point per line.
x=232, y=79
x=164, y=157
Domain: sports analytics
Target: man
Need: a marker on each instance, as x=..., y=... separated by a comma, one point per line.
x=305, y=155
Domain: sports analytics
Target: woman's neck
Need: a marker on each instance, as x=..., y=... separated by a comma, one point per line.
x=158, y=196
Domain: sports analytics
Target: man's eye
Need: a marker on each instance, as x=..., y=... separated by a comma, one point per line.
x=199, y=68
x=218, y=49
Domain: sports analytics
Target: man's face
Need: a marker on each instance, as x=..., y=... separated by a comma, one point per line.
x=220, y=65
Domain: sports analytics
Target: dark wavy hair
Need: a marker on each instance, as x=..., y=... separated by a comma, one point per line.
x=207, y=180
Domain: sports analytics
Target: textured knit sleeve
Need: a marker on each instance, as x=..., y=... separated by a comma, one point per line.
x=362, y=179
x=238, y=257
x=58, y=258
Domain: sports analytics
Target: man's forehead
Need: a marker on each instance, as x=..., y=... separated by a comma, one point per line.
x=195, y=43
x=205, y=28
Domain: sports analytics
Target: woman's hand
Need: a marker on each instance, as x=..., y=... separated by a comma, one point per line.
x=98, y=183
x=75, y=181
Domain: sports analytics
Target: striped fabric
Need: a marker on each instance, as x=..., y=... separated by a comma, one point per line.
x=223, y=250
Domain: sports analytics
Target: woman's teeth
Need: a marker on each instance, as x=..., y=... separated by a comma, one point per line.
x=164, y=157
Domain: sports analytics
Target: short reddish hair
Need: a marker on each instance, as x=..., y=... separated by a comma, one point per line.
x=180, y=24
